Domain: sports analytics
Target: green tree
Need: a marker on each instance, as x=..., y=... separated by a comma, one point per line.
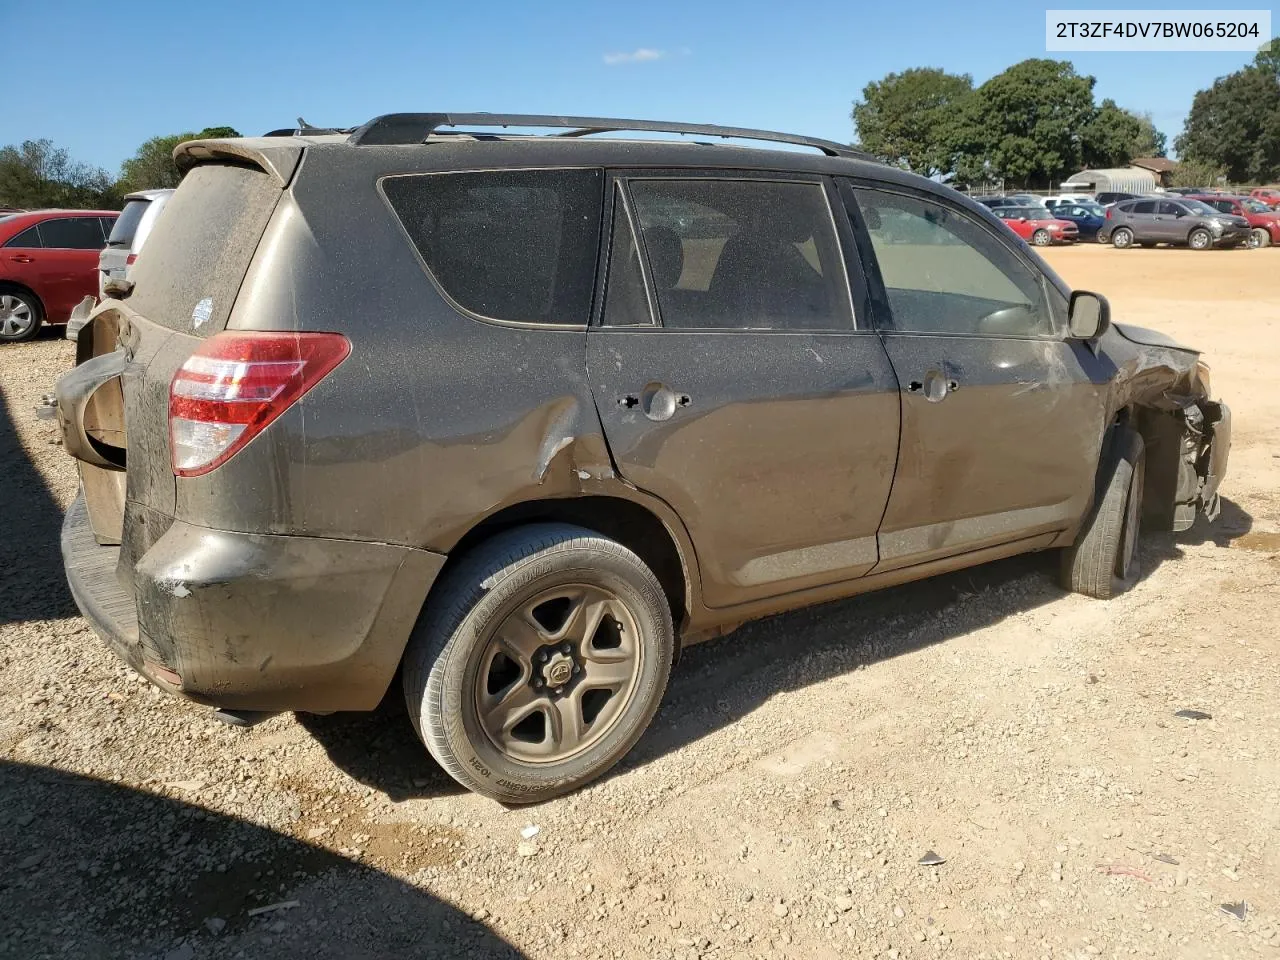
x=1235, y=125
x=910, y=118
x=1026, y=124
x=152, y=167
x=37, y=174
x=1115, y=136
x=1191, y=174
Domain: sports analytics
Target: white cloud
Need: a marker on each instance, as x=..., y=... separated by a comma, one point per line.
x=639, y=55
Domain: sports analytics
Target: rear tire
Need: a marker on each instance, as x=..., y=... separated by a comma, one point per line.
x=1103, y=560
x=1122, y=238
x=1199, y=239
x=505, y=694
x=1259, y=238
x=20, y=316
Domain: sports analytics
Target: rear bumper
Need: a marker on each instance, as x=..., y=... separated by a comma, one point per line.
x=254, y=621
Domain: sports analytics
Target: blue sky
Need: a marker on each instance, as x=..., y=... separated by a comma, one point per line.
x=259, y=65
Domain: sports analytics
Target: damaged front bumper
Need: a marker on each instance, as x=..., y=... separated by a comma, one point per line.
x=1206, y=444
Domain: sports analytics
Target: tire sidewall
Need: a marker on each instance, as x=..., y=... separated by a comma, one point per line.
x=1125, y=237
x=453, y=716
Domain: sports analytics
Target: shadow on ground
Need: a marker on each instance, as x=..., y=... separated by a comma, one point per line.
x=718, y=682
x=94, y=869
x=33, y=586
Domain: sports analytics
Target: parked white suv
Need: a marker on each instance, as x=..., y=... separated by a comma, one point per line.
x=130, y=232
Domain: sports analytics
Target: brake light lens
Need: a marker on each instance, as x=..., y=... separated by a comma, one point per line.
x=128, y=261
x=237, y=383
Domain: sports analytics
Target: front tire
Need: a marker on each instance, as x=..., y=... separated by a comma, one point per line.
x=538, y=662
x=1041, y=238
x=1122, y=238
x=1199, y=239
x=20, y=316
x=1104, y=556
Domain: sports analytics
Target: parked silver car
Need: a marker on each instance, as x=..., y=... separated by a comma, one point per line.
x=130, y=232
x=1179, y=222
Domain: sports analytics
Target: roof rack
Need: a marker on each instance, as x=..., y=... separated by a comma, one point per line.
x=401, y=128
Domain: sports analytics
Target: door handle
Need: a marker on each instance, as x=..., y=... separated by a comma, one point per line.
x=657, y=401
x=22, y=259
x=934, y=386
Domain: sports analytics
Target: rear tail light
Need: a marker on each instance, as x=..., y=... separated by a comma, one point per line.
x=128, y=261
x=236, y=384
x=1108, y=211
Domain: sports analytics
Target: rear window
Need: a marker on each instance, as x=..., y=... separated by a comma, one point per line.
x=515, y=245
x=199, y=251
x=127, y=223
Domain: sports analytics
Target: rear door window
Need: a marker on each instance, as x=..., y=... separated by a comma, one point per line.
x=72, y=233
x=742, y=254
x=199, y=251
x=1142, y=207
x=511, y=245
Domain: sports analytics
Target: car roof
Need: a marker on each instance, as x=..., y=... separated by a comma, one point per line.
x=149, y=194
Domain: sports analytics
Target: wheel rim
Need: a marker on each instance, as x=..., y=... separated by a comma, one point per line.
x=557, y=673
x=16, y=315
x=1123, y=238
x=1132, y=520
x=1040, y=239
x=1255, y=240
x=1199, y=241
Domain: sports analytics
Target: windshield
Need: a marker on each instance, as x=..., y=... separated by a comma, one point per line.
x=1198, y=206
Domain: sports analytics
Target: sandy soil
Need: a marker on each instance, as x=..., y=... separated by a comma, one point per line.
x=779, y=805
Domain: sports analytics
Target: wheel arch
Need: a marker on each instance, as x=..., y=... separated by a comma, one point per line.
x=648, y=529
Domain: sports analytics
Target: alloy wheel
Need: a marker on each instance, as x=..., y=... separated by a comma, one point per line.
x=16, y=315
x=558, y=673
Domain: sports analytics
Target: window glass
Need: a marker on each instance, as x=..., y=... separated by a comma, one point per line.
x=946, y=273
x=625, y=302
x=1144, y=206
x=106, y=223
x=514, y=245
x=1167, y=209
x=743, y=254
x=29, y=238
x=127, y=223
x=72, y=233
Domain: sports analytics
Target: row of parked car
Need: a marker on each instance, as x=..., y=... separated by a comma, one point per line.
x=52, y=261
x=1196, y=219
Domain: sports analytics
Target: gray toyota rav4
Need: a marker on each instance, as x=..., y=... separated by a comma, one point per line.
x=507, y=417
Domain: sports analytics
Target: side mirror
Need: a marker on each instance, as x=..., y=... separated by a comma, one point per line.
x=1088, y=315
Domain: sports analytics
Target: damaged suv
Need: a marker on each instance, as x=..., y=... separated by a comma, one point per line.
x=508, y=417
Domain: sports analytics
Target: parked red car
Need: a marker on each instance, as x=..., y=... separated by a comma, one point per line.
x=1268, y=195
x=1038, y=225
x=1264, y=222
x=48, y=264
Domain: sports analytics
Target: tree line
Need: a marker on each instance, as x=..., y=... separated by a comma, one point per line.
x=1036, y=123
x=36, y=174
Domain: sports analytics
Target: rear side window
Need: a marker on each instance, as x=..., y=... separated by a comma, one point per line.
x=28, y=238
x=1144, y=206
x=199, y=251
x=513, y=245
x=127, y=223
x=742, y=254
x=72, y=233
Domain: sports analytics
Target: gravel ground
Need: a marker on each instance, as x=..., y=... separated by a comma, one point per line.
x=780, y=804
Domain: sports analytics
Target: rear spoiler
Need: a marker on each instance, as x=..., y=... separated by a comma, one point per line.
x=277, y=156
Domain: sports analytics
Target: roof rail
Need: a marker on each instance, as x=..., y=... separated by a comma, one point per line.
x=393, y=128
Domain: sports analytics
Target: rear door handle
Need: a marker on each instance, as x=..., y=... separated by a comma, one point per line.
x=657, y=401
x=20, y=258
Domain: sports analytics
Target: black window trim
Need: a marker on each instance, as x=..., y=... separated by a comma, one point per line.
x=883, y=317
x=601, y=242
x=620, y=205
x=855, y=282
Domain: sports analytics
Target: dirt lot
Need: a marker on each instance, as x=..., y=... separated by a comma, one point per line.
x=779, y=805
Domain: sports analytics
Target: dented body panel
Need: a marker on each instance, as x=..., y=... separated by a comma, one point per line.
x=804, y=466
